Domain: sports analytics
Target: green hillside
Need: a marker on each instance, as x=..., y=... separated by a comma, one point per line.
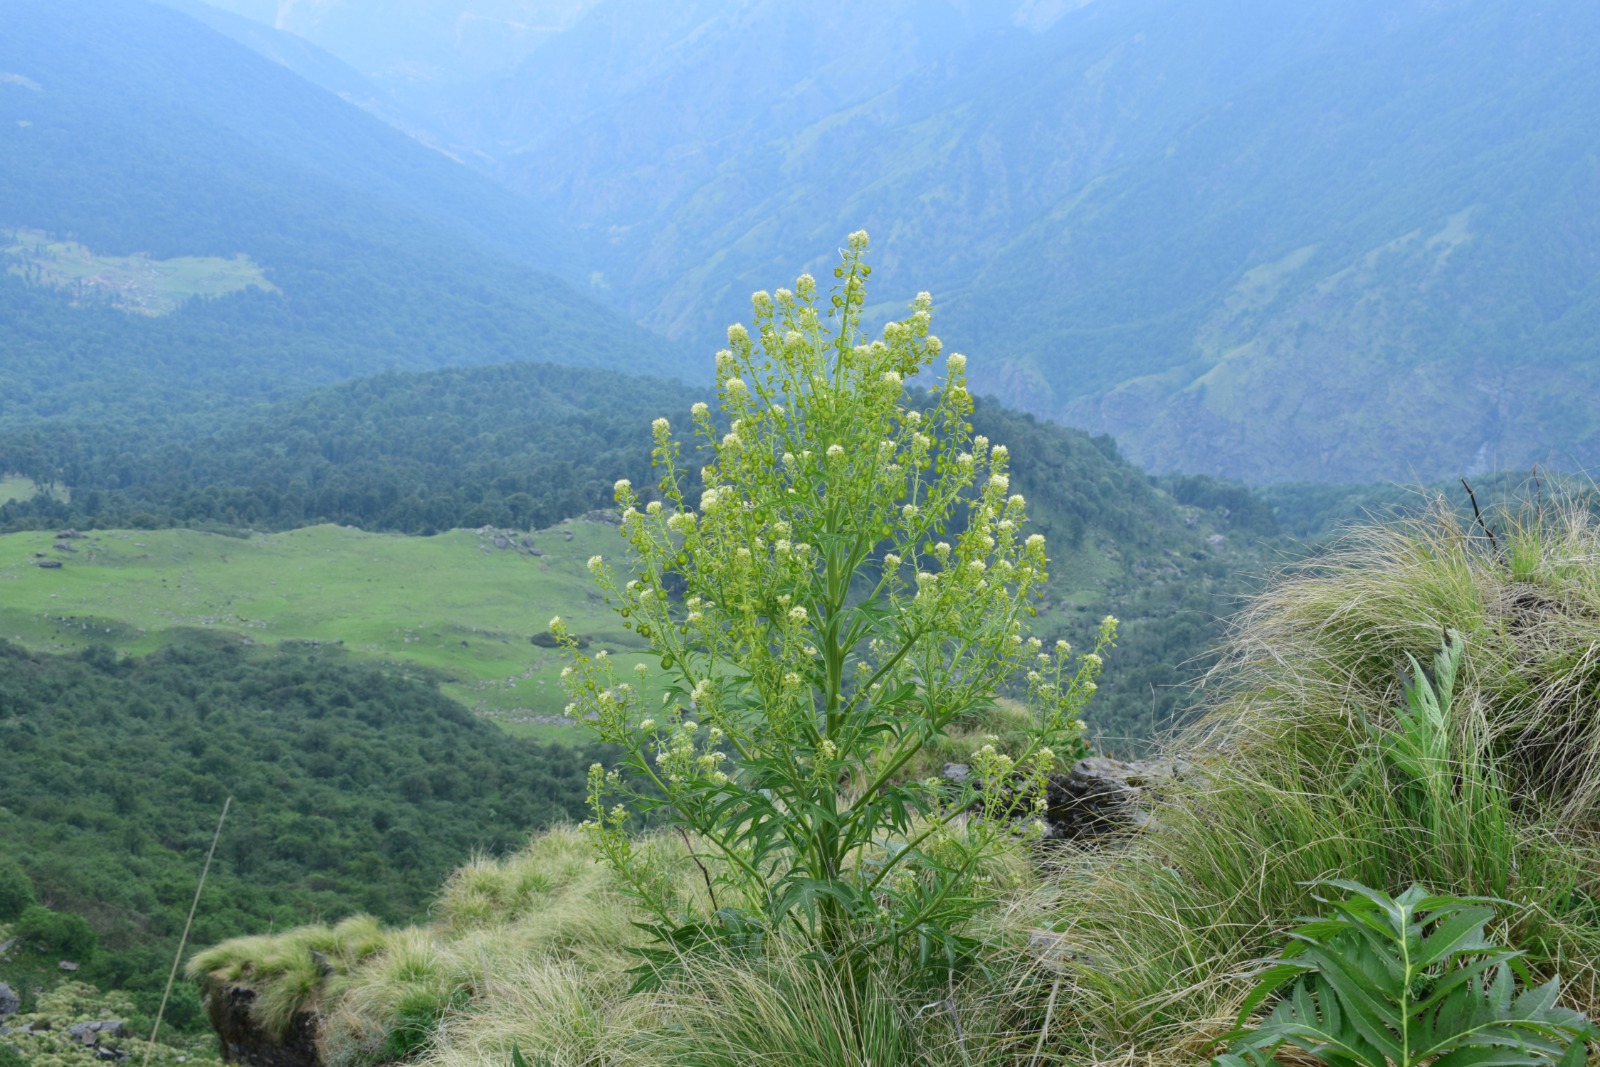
x=524, y=446
x=354, y=787
x=135, y=131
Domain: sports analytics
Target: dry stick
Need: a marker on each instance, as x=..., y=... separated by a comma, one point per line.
x=1476, y=514
x=703, y=872
x=185, y=938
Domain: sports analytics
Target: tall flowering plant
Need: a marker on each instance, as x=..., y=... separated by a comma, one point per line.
x=853, y=581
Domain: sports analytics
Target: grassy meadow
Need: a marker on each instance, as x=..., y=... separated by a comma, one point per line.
x=454, y=603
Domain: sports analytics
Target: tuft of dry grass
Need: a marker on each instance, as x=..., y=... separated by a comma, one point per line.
x=1162, y=937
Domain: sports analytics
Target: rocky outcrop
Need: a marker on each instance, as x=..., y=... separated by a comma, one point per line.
x=245, y=1041
x=99, y=1032
x=1101, y=795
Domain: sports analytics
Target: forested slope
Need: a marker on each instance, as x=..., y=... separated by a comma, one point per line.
x=354, y=789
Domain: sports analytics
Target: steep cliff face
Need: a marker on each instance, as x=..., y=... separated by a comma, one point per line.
x=244, y=1038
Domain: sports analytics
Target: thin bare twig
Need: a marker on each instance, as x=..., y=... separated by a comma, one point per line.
x=703, y=872
x=1478, y=515
x=178, y=956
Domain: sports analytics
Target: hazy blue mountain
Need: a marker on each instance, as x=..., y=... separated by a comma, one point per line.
x=418, y=43
x=132, y=129
x=1330, y=239
x=1326, y=240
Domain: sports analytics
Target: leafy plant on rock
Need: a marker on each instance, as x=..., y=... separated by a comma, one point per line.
x=854, y=581
x=1404, y=981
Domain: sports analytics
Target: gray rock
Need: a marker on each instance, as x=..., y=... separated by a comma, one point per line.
x=10, y=1003
x=90, y=1033
x=956, y=772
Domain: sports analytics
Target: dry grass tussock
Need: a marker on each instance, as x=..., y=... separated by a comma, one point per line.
x=532, y=950
x=1164, y=936
x=1141, y=951
x=542, y=927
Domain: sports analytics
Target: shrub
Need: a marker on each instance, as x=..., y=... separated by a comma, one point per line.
x=16, y=890
x=57, y=933
x=855, y=580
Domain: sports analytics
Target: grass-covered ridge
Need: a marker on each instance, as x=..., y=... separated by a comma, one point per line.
x=1143, y=949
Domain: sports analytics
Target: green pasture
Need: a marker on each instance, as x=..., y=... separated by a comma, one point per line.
x=454, y=603
x=136, y=283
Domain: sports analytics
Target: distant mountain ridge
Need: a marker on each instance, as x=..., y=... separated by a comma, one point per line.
x=1333, y=240
x=131, y=128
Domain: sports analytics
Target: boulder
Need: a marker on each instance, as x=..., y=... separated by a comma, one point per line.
x=1101, y=795
x=10, y=1003
x=91, y=1033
